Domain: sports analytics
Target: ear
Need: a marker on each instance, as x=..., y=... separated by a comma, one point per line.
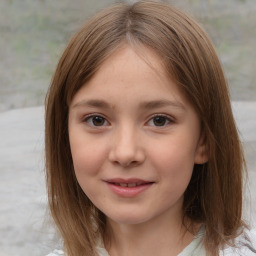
x=201, y=154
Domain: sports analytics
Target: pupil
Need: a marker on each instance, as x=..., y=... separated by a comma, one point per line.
x=98, y=121
x=159, y=121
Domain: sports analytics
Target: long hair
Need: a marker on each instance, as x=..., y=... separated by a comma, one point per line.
x=214, y=194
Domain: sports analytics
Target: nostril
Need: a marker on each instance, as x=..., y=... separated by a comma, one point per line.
x=126, y=155
x=126, y=164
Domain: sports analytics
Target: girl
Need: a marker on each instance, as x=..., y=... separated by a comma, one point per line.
x=142, y=151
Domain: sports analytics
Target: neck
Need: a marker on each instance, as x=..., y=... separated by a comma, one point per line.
x=158, y=237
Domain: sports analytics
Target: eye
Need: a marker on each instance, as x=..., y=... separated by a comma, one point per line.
x=159, y=121
x=96, y=121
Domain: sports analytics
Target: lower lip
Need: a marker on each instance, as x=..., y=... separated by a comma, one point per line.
x=128, y=191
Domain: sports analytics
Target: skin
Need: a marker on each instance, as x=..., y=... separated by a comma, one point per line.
x=132, y=121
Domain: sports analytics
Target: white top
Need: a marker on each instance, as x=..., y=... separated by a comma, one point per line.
x=56, y=253
x=196, y=248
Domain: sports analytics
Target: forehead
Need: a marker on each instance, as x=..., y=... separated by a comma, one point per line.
x=142, y=57
x=134, y=68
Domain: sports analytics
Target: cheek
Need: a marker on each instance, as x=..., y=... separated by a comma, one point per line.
x=174, y=159
x=178, y=151
x=87, y=157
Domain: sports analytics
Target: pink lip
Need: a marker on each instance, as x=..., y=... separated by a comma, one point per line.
x=127, y=191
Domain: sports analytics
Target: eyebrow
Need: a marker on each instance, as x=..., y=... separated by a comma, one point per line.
x=93, y=103
x=161, y=103
x=145, y=105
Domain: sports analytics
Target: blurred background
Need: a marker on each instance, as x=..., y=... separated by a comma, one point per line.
x=33, y=34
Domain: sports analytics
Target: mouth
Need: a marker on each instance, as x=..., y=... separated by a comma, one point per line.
x=128, y=188
x=133, y=182
x=130, y=185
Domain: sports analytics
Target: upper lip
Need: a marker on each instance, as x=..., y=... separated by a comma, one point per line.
x=128, y=181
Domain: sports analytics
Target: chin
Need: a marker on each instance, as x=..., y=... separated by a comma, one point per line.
x=129, y=218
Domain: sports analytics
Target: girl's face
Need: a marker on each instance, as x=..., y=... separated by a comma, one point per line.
x=134, y=139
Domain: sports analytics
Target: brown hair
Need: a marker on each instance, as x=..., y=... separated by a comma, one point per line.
x=214, y=195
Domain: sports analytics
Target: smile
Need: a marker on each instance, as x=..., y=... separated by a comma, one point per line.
x=130, y=185
x=128, y=188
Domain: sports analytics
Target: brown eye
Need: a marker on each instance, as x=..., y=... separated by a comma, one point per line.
x=159, y=121
x=96, y=121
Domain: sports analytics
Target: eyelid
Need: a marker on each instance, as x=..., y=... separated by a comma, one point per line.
x=85, y=119
x=167, y=117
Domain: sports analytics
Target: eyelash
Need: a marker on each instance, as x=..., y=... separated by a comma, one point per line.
x=168, y=120
x=89, y=120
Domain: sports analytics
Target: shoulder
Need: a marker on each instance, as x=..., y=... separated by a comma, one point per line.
x=245, y=245
x=100, y=250
x=56, y=253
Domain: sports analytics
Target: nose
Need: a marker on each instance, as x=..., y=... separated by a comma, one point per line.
x=126, y=149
